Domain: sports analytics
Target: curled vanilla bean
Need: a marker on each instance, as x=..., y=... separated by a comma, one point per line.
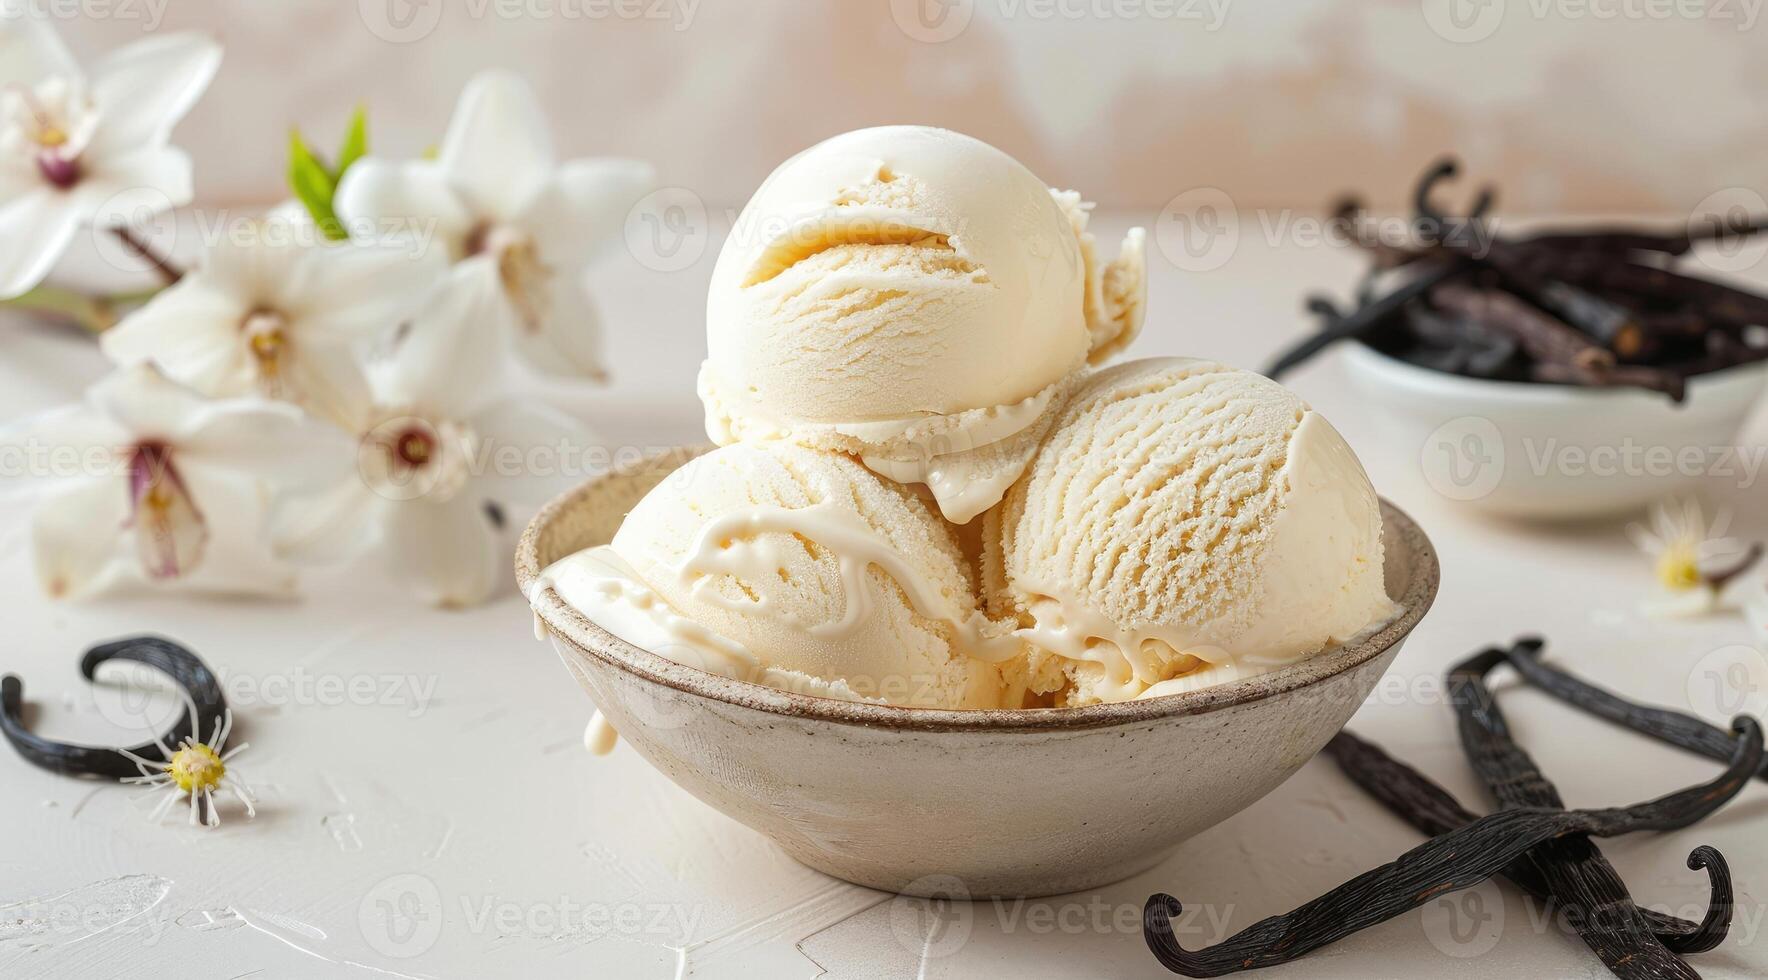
x=1595, y=899
x=1677, y=728
x=183, y=667
x=1459, y=859
x=1414, y=798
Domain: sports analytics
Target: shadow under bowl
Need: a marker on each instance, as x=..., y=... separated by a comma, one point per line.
x=961, y=803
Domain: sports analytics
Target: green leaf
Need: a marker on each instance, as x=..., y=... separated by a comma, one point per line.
x=355, y=142
x=314, y=186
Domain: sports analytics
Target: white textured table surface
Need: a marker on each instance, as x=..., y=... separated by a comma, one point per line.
x=428, y=810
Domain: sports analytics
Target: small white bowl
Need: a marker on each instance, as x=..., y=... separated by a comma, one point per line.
x=1556, y=451
x=962, y=803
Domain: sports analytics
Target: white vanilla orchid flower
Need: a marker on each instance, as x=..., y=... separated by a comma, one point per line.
x=278, y=312
x=434, y=466
x=80, y=149
x=508, y=213
x=1692, y=560
x=146, y=475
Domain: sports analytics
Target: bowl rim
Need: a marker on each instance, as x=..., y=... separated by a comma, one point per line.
x=566, y=623
x=1360, y=356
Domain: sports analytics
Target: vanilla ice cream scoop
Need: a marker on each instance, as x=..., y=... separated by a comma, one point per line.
x=1183, y=524
x=800, y=569
x=914, y=297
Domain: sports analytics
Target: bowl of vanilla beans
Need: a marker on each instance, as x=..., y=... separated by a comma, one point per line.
x=1561, y=372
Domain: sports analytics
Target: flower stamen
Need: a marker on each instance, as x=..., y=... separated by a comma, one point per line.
x=525, y=277
x=266, y=333
x=171, y=534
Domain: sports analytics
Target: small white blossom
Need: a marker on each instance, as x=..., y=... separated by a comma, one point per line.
x=196, y=771
x=511, y=216
x=1692, y=560
x=78, y=148
x=426, y=489
x=277, y=313
x=148, y=477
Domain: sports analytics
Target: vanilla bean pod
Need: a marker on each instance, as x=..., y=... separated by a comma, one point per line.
x=1590, y=307
x=1612, y=240
x=1367, y=317
x=1595, y=899
x=1560, y=353
x=1676, y=728
x=1449, y=862
x=1349, y=213
x=1429, y=808
x=183, y=667
x=1715, y=300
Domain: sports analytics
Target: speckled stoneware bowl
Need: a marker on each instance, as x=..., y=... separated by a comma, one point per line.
x=926, y=801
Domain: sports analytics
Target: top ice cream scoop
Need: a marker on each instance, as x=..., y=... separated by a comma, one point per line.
x=917, y=298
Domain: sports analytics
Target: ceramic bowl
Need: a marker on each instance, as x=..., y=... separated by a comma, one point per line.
x=1555, y=451
x=961, y=803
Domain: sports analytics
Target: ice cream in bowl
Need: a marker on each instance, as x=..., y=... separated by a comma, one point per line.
x=970, y=628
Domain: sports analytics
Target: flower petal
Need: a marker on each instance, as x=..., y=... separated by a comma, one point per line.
x=263, y=264
x=402, y=203
x=275, y=443
x=446, y=553
x=238, y=560
x=556, y=451
x=76, y=535
x=331, y=525
x=30, y=50
x=360, y=292
x=143, y=89
x=134, y=185
x=192, y=331
x=35, y=230
x=569, y=343
x=583, y=211
x=451, y=359
x=67, y=443
x=151, y=406
x=498, y=151
x=326, y=378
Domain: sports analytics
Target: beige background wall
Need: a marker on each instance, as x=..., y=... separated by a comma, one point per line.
x=1570, y=104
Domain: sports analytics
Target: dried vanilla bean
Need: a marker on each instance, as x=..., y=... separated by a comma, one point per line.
x=1414, y=798
x=183, y=667
x=1587, y=307
x=1682, y=730
x=1459, y=859
x=1366, y=317
x=1593, y=896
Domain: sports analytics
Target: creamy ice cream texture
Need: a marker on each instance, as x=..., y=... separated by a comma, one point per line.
x=916, y=298
x=798, y=569
x=901, y=332
x=1184, y=524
